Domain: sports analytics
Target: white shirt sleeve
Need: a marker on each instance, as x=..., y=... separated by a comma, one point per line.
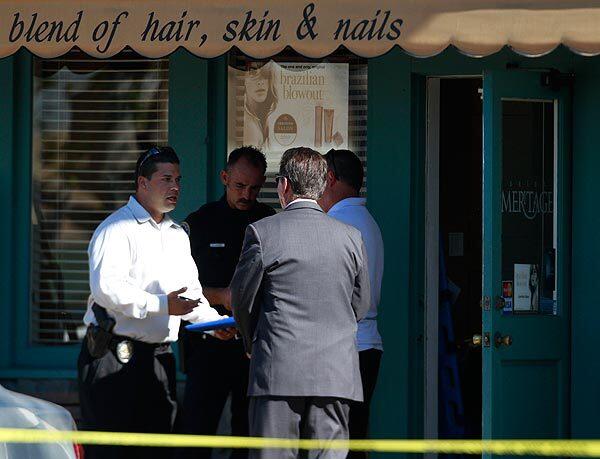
x=203, y=312
x=110, y=257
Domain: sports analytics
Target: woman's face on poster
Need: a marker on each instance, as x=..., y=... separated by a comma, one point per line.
x=257, y=86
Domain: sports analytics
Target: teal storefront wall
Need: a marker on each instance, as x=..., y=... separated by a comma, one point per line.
x=6, y=190
x=396, y=122
x=389, y=181
x=585, y=336
x=397, y=79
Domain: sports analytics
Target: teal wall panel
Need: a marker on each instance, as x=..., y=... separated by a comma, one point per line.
x=26, y=356
x=217, y=119
x=6, y=190
x=188, y=127
x=585, y=373
x=389, y=198
x=416, y=317
x=21, y=263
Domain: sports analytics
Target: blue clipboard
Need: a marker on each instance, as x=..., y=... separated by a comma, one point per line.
x=212, y=325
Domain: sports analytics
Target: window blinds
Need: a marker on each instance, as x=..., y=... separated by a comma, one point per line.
x=91, y=120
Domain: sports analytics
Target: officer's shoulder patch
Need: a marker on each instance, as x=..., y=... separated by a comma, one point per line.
x=186, y=227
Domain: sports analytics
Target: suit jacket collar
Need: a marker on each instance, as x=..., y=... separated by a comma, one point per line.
x=303, y=205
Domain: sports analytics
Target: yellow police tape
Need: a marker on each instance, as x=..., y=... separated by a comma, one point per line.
x=572, y=448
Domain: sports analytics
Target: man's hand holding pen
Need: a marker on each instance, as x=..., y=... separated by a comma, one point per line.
x=178, y=305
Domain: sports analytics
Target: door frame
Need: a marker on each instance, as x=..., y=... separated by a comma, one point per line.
x=431, y=254
x=431, y=251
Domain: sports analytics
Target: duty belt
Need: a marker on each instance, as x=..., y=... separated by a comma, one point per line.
x=137, y=344
x=122, y=346
x=101, y=339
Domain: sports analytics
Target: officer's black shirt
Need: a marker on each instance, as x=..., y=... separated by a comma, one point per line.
x=216, y=237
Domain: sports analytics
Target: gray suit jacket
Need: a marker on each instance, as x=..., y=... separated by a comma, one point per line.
x=298, y=291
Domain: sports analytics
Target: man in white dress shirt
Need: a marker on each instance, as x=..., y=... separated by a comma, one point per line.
x=141, y=269
x=341, y=200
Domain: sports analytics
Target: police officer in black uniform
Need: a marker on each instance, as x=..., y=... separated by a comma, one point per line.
x=218, y=366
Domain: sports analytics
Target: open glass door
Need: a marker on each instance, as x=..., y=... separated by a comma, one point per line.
x=525, y=295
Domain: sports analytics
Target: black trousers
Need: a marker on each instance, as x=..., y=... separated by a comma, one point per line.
x=214, y=370
x=138, y=396
x=359, y=411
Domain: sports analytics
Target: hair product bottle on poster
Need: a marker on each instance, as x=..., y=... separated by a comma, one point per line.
x=318, y=126
x=328, y=124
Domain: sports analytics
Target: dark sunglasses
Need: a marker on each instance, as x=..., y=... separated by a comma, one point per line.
x=153, y=151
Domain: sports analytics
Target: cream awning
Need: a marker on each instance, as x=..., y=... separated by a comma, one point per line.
x=262, y=28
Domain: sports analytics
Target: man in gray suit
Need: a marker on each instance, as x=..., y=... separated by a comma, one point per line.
x=297, y=293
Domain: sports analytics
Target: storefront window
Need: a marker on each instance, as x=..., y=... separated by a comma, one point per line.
x=91, y=119
x=529, y=233
x=291, y=101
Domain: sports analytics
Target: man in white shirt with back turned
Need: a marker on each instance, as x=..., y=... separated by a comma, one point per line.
x=141, y=269
x=342, y=201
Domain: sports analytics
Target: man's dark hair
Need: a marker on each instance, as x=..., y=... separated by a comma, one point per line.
x=306, y=171
x=251, y=154
x=346, y=167
x=147, y=161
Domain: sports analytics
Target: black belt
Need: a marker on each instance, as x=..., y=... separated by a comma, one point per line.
x=107, y=323
x=139, y=345
x=100, y=341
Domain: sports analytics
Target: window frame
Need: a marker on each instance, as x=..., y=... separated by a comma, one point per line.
x=7, y=164
x=91, y=117
x=188, y=114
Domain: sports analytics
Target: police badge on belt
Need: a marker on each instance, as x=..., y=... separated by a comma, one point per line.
x=99, y=337
x=124, y=351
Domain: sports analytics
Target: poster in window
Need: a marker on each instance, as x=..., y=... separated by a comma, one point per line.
x=526, y=288
x=283, y=105
x=507, y=296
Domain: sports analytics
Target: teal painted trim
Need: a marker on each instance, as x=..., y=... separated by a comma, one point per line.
x=6, y=190
x=564, y=238
x=492, y=231
x=217, y=103
x=453, y=63
x=48, y=358
x=188, y=127
x=22, y=91
x=25, y=354
x=188, y=130
x=389, y=178
x=417, y=259
x=37, y=374
x=585, y=364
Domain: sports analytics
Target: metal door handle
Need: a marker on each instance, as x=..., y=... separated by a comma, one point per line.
x=500, y=340
x=480, y=340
